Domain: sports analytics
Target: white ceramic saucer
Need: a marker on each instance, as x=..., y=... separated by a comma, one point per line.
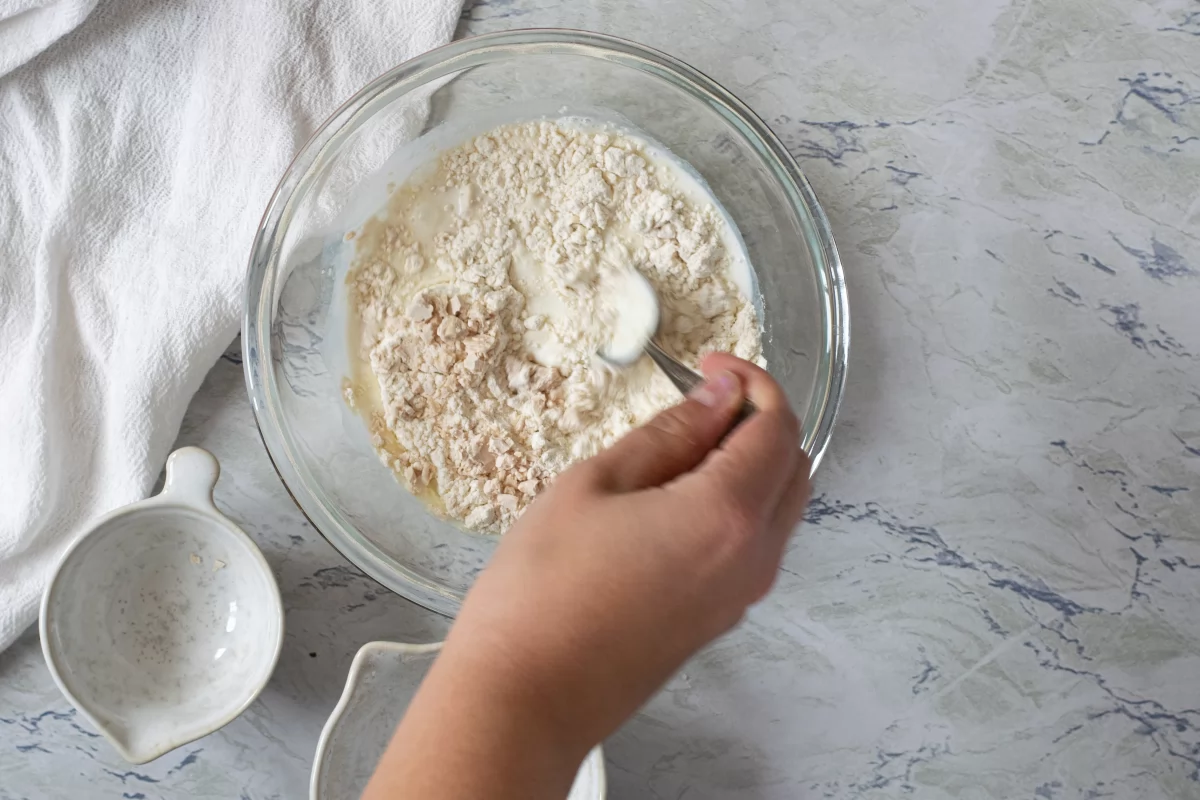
x=163, y=622
x=383, y=679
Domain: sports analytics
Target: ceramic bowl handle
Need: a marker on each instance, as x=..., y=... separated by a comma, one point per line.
x=191, y=475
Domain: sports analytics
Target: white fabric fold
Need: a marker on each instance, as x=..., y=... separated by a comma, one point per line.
x=27, y=27
x=138, y=153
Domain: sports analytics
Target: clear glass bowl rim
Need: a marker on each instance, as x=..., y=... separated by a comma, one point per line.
x=262, y=272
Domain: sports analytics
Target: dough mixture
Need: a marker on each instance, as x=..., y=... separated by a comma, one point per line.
x=481, y=296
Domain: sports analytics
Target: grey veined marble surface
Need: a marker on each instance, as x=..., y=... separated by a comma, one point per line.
x=997, y=594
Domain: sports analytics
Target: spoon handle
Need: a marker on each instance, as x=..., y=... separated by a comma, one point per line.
x=686, y=379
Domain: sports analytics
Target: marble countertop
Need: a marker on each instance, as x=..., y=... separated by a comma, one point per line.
x=997, y=594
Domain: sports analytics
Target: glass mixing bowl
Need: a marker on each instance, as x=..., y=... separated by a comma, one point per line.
x=294, y=335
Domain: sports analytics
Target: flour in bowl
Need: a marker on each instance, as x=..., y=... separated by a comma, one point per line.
x=482, y=294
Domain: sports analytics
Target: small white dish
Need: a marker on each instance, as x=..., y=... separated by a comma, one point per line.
x=383, y=679
x=163, y=622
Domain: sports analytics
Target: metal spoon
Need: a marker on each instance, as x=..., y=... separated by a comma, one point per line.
x=645, y=304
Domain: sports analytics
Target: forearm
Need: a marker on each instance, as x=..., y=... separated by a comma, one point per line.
x=476, y=730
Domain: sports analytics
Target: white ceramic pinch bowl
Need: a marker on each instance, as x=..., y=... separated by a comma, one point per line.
x=383, y=679
x=163, y=622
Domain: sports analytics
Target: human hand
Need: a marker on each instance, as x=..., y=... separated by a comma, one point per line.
x=629, y=563
x=636, y=558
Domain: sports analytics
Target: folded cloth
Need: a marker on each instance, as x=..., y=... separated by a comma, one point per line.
x=27, y=27
x=138, y=153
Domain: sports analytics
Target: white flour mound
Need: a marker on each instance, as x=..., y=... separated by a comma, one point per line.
x=485, y=292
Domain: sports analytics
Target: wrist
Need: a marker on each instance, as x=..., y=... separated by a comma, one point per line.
x=530, y=696
x=475, y=729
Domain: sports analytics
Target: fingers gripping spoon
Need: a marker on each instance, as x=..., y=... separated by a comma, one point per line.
x=638, y=318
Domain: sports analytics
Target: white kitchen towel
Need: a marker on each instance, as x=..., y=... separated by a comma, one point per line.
x=27, y=27
x=137, y=154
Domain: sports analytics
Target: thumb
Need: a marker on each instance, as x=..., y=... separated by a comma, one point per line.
x=676, y=440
